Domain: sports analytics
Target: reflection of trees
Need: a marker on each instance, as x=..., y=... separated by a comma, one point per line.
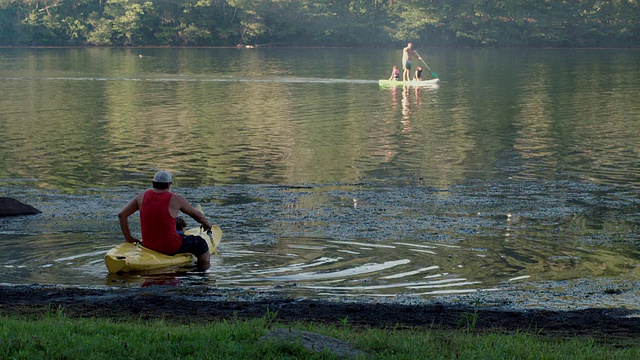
x=543, y=253
x=54, y=127
x=571, y=122
x=130, y=115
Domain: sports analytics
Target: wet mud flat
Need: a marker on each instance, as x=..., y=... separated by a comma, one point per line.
x=204, y=303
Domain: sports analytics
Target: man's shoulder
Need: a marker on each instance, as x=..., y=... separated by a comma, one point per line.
x=145, y=192
x=177, y=197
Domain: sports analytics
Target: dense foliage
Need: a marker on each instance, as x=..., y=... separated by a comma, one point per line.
x=320, y=22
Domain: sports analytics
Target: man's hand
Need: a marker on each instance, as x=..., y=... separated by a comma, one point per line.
x=131, y=239
x=206, y=227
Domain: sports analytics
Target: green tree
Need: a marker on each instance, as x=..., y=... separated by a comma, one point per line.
x=123, y=22
x=9, y=22
x=206, y=22
x=320, y=22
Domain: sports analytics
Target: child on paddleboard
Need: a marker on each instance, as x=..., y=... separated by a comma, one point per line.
x=418, y=74
x=395, y=73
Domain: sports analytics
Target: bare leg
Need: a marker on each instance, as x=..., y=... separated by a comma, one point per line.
x=204, y=261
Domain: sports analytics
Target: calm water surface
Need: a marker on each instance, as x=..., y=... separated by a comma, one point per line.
x=521, y=166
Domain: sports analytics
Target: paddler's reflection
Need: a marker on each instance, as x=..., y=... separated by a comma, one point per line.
x=406, y=110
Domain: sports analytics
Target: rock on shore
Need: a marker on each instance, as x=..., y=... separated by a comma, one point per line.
x=13, y=207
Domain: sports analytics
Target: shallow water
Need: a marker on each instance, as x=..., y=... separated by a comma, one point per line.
x=521, y=166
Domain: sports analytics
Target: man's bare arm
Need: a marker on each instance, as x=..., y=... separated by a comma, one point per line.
x=123, y=216
x=186, y=208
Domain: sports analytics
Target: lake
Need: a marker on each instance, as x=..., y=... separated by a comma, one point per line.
x=520, y=167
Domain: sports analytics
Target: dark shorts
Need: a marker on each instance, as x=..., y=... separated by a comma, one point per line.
x=407, y=65
x=193, y=244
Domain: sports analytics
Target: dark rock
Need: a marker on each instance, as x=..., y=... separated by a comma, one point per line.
x=13, y=207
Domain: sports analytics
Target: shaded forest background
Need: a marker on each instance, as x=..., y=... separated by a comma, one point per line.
x=380, y=23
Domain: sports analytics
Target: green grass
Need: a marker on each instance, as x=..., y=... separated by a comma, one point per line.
x=56, y=336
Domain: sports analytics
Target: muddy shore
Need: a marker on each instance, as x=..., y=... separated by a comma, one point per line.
x=201, y=304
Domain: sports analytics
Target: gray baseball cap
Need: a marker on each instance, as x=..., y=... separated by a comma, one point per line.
x=162, y=177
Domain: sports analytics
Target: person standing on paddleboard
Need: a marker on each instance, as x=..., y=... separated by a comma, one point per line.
x=159, y=208
x=407, y=52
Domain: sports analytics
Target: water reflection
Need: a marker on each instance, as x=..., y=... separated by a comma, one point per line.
x=304, y=128
x=315, y=241
x=521, y=166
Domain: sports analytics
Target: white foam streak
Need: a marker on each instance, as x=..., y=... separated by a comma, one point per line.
x=364, y=269
x=363, y=244
x=409, y=273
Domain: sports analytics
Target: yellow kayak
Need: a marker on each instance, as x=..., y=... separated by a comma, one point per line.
x=128, y=257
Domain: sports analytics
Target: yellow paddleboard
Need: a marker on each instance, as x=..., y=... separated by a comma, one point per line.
x=128, y=257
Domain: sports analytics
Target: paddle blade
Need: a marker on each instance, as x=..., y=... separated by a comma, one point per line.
x=215, y=236
x=435, y=76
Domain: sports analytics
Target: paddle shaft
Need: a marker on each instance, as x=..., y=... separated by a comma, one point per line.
x=425, y=64
x=210, y=234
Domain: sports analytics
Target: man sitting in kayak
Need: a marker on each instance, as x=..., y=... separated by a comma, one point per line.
x=159, y=208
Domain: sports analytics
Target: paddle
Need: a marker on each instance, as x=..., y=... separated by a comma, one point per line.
x=214, y=240
x=425, y=64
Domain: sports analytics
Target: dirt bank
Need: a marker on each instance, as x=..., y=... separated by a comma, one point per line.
x=206, y=303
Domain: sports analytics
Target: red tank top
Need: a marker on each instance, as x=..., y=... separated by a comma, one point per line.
x=157, y=226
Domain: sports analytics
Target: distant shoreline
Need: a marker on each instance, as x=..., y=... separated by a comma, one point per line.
x=252, y=47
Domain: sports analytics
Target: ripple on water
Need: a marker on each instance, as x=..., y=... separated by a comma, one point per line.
x=306, y=240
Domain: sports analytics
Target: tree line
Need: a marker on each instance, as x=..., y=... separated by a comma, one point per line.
x=531, y=23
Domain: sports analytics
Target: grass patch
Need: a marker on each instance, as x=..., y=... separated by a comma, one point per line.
x=55, y=335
